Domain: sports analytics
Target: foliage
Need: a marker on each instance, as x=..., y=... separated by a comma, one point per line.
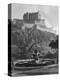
x=26, y=38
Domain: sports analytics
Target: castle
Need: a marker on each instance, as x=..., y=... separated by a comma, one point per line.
x=33, y=18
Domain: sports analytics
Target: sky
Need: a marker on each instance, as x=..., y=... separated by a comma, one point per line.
x=50, y=13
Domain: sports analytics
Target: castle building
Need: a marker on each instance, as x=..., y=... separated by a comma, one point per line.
x=34, y=18
x=30, y=16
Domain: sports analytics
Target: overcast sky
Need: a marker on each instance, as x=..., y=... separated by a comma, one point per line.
x=50, y=13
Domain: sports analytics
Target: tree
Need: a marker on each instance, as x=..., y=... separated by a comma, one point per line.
x=54, y=44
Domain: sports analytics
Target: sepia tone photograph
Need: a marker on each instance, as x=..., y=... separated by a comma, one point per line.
x=33, y=38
